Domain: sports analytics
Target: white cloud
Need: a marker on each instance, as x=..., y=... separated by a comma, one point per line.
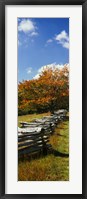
x=66, y=44
x=26, y=25
x=49, y=40
x=46, y=67
x=63, y=39
x=36, y=76
x=62, y=35
x=52, y=66
x=34, y=34
x=19, y=43
x=29, y=70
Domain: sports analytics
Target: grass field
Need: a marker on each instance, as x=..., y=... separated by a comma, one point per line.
x=31, y=117
x=53, y=167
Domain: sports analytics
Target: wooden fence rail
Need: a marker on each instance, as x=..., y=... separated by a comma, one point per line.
x=33, y=137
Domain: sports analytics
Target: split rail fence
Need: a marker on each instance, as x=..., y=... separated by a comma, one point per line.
x=33, y=137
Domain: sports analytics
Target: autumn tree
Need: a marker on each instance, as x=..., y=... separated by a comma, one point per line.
x=47, y=93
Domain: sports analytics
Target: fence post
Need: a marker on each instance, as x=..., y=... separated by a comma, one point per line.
x=43, y=142
x=51, y=128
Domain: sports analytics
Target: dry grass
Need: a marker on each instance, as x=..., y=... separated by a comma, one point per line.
x=53, y=167
x=31, y=117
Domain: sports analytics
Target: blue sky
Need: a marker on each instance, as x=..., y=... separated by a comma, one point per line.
x=41, y=42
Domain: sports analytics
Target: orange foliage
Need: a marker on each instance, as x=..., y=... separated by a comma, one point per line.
x=49, y=92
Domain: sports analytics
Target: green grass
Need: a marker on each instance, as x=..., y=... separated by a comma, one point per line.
x=31, y=117
x=53, y=167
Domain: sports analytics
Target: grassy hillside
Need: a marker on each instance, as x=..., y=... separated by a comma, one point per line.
x=53, y=167
x=31, y=117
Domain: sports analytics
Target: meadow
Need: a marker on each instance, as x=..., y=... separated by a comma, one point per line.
x=52, y=167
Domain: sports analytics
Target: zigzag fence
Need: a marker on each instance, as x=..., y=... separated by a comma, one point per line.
x=33, y=137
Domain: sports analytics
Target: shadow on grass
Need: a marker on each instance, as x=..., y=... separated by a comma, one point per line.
x=43, y=154
x=59, y=154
